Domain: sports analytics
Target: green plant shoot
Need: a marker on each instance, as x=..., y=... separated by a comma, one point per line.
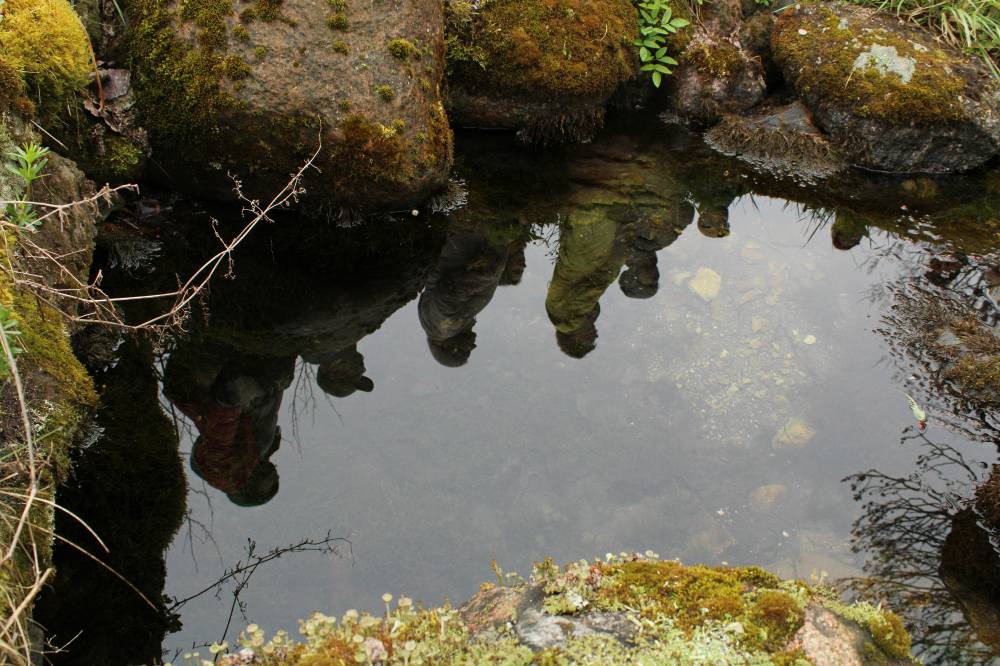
x=656, y=23
x=29, y=163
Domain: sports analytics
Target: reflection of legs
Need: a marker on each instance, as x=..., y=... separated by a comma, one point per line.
x=641, y=278
x=343, y=373
x=455, y=351
x=582, y=340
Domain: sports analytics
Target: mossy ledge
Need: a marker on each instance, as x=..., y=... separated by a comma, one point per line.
x=890, y=97
x=521, y=63
x=60, y=397
x=640, y=610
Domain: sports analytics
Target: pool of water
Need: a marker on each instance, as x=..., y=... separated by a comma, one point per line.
x=630, y=345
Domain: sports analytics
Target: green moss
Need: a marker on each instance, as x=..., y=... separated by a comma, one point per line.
x=260, y=52
x=344, y=105
x=241, y=33
x=122, y=161
x=341, y=47
x=402, y=49
x=337, y=21
x=385, y=93
x=932, y=95
x=730, y=616
x=180, y=88
x=263, y=10
x=59, y=395
x=337, y=5
x=720, y=60
x=43, y=41
x=539, y=47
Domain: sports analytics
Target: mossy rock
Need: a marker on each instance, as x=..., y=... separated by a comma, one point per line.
x=631, y=609
x=251, y=89
x=45, y=55
x=890, y=97
x=543, y=67
x=716, y=76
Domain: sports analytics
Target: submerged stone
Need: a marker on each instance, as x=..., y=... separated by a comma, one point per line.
x=706, y=283
x=794, y=435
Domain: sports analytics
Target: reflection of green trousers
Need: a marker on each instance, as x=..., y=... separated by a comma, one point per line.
x=589, y=261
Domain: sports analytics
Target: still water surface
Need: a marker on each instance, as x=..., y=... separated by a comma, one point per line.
x=632, y=364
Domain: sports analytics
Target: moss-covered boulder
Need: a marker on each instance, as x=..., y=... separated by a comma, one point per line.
x=890, y=97
x=628, y=609
x=543, y=67
x=252, y=88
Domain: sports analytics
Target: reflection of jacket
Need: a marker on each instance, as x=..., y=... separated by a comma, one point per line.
x=462, y=285
x=589, y=261
x=228, y=450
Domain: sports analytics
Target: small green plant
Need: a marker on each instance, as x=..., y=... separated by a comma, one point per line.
x=10, y=333
x=29, y=162
x=385, y=92
x=656, y=23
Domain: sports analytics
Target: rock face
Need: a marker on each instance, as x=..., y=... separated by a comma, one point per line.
x=250, y=88
x=719, y=70
x=544, y=68
x=887, y=94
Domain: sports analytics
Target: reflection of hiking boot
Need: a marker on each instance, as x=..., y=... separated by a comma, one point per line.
x=455, y=351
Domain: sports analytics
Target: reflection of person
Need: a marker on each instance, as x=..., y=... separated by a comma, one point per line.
x=470, y=268
x=656, y=229
x=341, y=373
x=590, y=258
x=234, y=402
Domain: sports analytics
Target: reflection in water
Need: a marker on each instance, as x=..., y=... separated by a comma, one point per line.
x=930, y=535
x=130, y=488
x=474, y=261
x=233, y=400
x=669, y=427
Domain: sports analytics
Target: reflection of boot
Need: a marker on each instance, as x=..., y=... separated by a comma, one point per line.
x=641, y=278
x=582, y=340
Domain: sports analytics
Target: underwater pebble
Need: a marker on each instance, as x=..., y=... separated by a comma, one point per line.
x=809, y=340
x=757, y=323
x=765, y=497
x=706, y=283
x=794, y=435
